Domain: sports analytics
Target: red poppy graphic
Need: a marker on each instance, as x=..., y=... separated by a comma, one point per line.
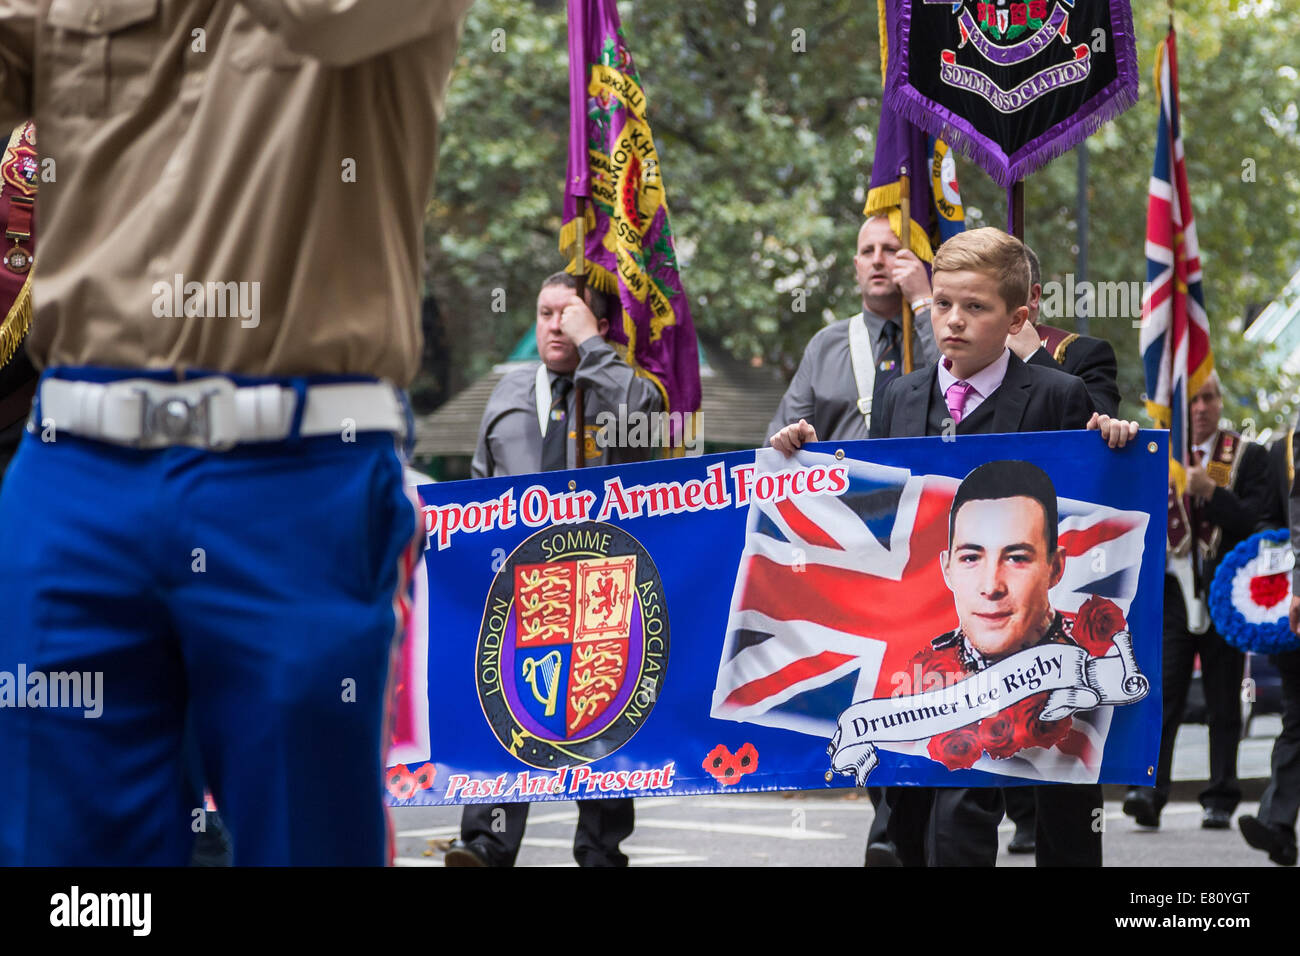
x=747, y=758
x=727, y=768
x=424, y=776
x=401, y=782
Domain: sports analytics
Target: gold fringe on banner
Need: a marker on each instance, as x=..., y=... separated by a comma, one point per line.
x=883, y=23
x=885, y=200
x=601, y=279
x=16, y=324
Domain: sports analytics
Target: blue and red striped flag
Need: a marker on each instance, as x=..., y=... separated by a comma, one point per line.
x=1175, y=338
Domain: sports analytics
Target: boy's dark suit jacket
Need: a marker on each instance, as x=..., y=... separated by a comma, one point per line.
x=958, y=826
x=1030, y=399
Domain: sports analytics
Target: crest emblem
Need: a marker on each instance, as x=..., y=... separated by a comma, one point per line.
x=1006, y=33
x=21, y=168
x=573, y=646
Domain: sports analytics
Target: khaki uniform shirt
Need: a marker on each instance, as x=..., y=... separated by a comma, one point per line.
x=231, y=185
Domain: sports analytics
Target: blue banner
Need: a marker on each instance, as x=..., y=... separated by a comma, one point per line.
x=978, y=611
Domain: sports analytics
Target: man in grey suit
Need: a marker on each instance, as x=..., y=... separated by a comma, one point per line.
x=513, y=441
x=824, y=391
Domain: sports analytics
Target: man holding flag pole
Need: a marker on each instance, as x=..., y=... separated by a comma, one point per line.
x=912, y=204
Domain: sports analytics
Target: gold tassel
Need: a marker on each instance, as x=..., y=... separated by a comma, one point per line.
x=885, y=200
x=17, y=323
x=882, y=24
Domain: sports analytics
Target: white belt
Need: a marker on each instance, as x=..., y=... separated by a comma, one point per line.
x=213, y=412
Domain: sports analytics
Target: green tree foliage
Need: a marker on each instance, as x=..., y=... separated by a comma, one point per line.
x=763, y=114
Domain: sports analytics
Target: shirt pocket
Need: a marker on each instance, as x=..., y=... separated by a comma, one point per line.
x=100, y=54
x=257, y=48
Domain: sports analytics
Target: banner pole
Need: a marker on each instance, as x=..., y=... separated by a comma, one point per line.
x=1017, y=197
x=579, y=417
x=905, y=238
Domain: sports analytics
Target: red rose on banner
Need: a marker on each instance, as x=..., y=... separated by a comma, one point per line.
x=401, y=782
x=1033, y=732
x=998, y=734
x=1096, y=625
x=958, y=749
x=943, y=662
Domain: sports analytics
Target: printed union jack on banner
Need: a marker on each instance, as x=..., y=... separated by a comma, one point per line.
x=835, y=596
x=1175, y=337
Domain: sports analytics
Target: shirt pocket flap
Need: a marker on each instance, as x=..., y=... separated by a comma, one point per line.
x=100, y=17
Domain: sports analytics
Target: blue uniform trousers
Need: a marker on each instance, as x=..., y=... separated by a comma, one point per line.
x=257, y=586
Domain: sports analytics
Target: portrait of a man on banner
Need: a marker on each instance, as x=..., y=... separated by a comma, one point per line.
x=1013, y=688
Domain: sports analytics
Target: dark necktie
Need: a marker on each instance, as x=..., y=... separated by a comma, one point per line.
x=890, y=363
x=555, y=441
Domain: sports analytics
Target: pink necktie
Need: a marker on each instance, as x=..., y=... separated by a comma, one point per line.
x=956, y=397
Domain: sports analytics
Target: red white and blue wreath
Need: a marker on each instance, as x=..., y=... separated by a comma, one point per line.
x=1250, y=596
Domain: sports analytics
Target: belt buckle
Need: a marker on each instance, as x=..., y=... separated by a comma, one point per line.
x=180, y=419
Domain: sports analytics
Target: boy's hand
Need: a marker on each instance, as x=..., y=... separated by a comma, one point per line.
x=793, y=437
x=1295, y=615
x=1115, y=431
x=910, y=275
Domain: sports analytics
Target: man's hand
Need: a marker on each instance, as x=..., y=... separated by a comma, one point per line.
x=1295, y=615
x=577, y=322
x=909, y=274
x=1199, y=483
x=1115, y=431
x=793, y=437
x=1025, y=342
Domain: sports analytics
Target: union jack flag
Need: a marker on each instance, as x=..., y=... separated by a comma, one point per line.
x=835, y=595
x=1175, y=338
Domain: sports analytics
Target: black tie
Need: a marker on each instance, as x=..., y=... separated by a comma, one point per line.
x=555, y=441
x=890, y=364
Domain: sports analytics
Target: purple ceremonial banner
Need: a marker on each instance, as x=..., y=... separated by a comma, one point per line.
x=903, y=149
x=628, y=240
x=1012, y=85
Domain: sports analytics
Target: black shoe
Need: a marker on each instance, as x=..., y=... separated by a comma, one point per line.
x=1215, y=819
x=1023, y=841
x=1142, y=809
x=882, y=854
x=1273, y=838
x=465, y=854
